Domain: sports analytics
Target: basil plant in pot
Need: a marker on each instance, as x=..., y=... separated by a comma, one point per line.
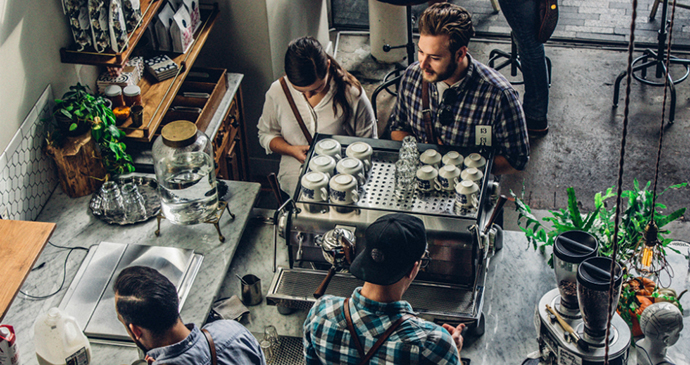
x=636, y=211
x=78, y=112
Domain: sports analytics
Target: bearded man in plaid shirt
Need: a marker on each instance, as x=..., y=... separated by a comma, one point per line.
x=478, y=103
x=374, y=325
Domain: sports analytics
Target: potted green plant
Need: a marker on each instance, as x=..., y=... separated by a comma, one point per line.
x=77, y=112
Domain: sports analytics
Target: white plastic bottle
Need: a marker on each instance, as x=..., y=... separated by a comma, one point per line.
x=59, y=341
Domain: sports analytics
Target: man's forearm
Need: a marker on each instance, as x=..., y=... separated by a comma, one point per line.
x=398, y=135
x=502, y=166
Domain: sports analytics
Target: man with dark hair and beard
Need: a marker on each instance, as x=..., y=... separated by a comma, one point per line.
x=450, y=98
x=147, y=304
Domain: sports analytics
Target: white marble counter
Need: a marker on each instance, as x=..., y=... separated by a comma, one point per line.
x=76, y=226
x=518, y=277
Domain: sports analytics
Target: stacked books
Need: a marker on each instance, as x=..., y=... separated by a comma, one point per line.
x=161, y=67
x=130, y=74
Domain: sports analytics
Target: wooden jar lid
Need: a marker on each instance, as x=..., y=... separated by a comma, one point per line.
x=180, y=133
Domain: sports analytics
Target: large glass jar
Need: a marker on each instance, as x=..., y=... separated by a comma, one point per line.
x=186, y=175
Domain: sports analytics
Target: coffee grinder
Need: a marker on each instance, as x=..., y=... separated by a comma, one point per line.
x=571, y=320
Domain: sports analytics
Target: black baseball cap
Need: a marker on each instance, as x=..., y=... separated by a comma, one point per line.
x=393, y=243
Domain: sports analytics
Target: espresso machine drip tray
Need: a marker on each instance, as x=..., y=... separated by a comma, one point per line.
x=90, y=298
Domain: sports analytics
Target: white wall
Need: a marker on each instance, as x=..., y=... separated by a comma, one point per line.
x=250, y=37
x=31, y=35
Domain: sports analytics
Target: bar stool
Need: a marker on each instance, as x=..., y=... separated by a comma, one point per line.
x=513, y=59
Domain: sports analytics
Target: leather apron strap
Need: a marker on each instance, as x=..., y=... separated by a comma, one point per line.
x=291, y=101
x=384, y=337
x=211, y=345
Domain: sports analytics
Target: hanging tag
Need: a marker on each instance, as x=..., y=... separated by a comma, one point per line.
x=483, y=135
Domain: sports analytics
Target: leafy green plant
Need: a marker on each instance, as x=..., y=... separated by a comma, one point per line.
x=599, y=222
x=77, y=112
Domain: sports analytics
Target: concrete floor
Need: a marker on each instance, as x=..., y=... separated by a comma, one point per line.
x=582, y=149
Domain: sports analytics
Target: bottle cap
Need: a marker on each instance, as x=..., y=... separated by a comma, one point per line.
x=180, y=133
x=132, y=90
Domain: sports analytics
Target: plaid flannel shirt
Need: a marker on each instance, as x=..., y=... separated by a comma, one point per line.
x=484, y=97
x=328, y=341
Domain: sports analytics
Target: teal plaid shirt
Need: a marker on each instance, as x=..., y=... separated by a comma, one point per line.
x=485, y=97
x=416, y=341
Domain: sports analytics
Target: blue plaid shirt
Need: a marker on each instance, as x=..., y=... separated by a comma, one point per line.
x=328, y=341
x=484, y=97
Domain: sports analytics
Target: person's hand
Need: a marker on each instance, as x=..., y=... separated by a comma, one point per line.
x=456, y=333
x=299, y=152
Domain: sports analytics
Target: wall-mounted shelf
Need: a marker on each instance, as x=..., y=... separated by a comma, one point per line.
x=149, y=10
x=158, y=96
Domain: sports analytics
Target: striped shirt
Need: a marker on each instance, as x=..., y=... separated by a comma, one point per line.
x=328, y=341
x=485, y=97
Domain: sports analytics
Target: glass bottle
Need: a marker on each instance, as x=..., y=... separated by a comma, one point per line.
x=133, y=203
x=186, y=173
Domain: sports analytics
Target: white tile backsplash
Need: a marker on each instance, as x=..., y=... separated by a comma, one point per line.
x=27, y=175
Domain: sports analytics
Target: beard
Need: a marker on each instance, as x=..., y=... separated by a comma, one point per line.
x=443, y=75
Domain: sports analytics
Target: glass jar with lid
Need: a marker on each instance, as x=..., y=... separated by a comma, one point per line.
x=132, y=95
x=114, y=94
x=183, y=162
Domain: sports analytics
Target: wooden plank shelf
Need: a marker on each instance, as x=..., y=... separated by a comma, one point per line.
x=148, y=14
x=158, y=96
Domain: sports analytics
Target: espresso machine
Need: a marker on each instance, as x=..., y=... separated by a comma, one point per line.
x=571, y=320
x=460, y=242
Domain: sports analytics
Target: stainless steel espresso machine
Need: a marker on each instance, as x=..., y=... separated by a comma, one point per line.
x=450, y=290
x=571, y=320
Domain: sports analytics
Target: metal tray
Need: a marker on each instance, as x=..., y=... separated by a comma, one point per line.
x=148, y=188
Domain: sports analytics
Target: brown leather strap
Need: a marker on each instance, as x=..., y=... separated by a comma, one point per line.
x=384, y=337
x=426, y=113
x=291, y=101
x=211, y=345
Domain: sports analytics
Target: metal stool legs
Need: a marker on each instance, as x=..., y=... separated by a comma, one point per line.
x=513, y=60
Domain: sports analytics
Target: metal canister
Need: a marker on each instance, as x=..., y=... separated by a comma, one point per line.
x=8, y=346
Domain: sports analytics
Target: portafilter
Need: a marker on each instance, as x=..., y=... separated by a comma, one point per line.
x=338, y=247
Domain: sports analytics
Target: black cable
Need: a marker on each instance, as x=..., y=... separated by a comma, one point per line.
x=64, y=272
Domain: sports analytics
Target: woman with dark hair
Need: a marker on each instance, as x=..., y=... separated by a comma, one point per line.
x=327, y=98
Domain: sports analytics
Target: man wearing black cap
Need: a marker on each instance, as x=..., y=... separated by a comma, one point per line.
x=375, y=325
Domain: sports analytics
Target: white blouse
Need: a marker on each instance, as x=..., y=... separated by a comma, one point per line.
x=278, y=120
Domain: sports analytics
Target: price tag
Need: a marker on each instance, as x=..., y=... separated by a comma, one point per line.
x=483, y=135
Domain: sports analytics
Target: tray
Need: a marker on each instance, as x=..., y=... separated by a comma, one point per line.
x=148, y=188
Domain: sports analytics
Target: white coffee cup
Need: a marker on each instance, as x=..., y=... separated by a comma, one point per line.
x=352, y=166
x=315, y=186
x=466, y=194
x=447, y=177
x=325, y=164
x=472, y=174
x=426, y=178
x=343, y=189
x=475, y=160
x=453, y=158
x=361, y=151
x=430, y=157
x=328, y=147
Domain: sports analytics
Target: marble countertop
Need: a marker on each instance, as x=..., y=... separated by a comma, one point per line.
x=517, y=279
x=76, y=226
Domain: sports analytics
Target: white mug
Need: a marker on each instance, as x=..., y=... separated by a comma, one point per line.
x=352, y=166
x=325, y=164
x=475, y=160
x=361, y=151
x=466, y=194
x=426, y=178
x=472, y=174
x=453, y=158
x=447, y=177
x=430, y=157
x=343, y=189
x=315, y=186
x=328, y=147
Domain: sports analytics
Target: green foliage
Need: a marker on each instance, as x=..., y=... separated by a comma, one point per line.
x=637, y=209
x=84, y=109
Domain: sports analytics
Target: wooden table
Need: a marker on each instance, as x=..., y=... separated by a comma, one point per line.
x=20, y=244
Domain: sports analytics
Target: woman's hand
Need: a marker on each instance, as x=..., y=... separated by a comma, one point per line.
x=298, y=152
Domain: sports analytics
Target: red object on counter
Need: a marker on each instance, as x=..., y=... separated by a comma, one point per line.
x=8, y=346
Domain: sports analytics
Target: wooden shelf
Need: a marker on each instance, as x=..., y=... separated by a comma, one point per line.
x=149, y=11
x=158, y=96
